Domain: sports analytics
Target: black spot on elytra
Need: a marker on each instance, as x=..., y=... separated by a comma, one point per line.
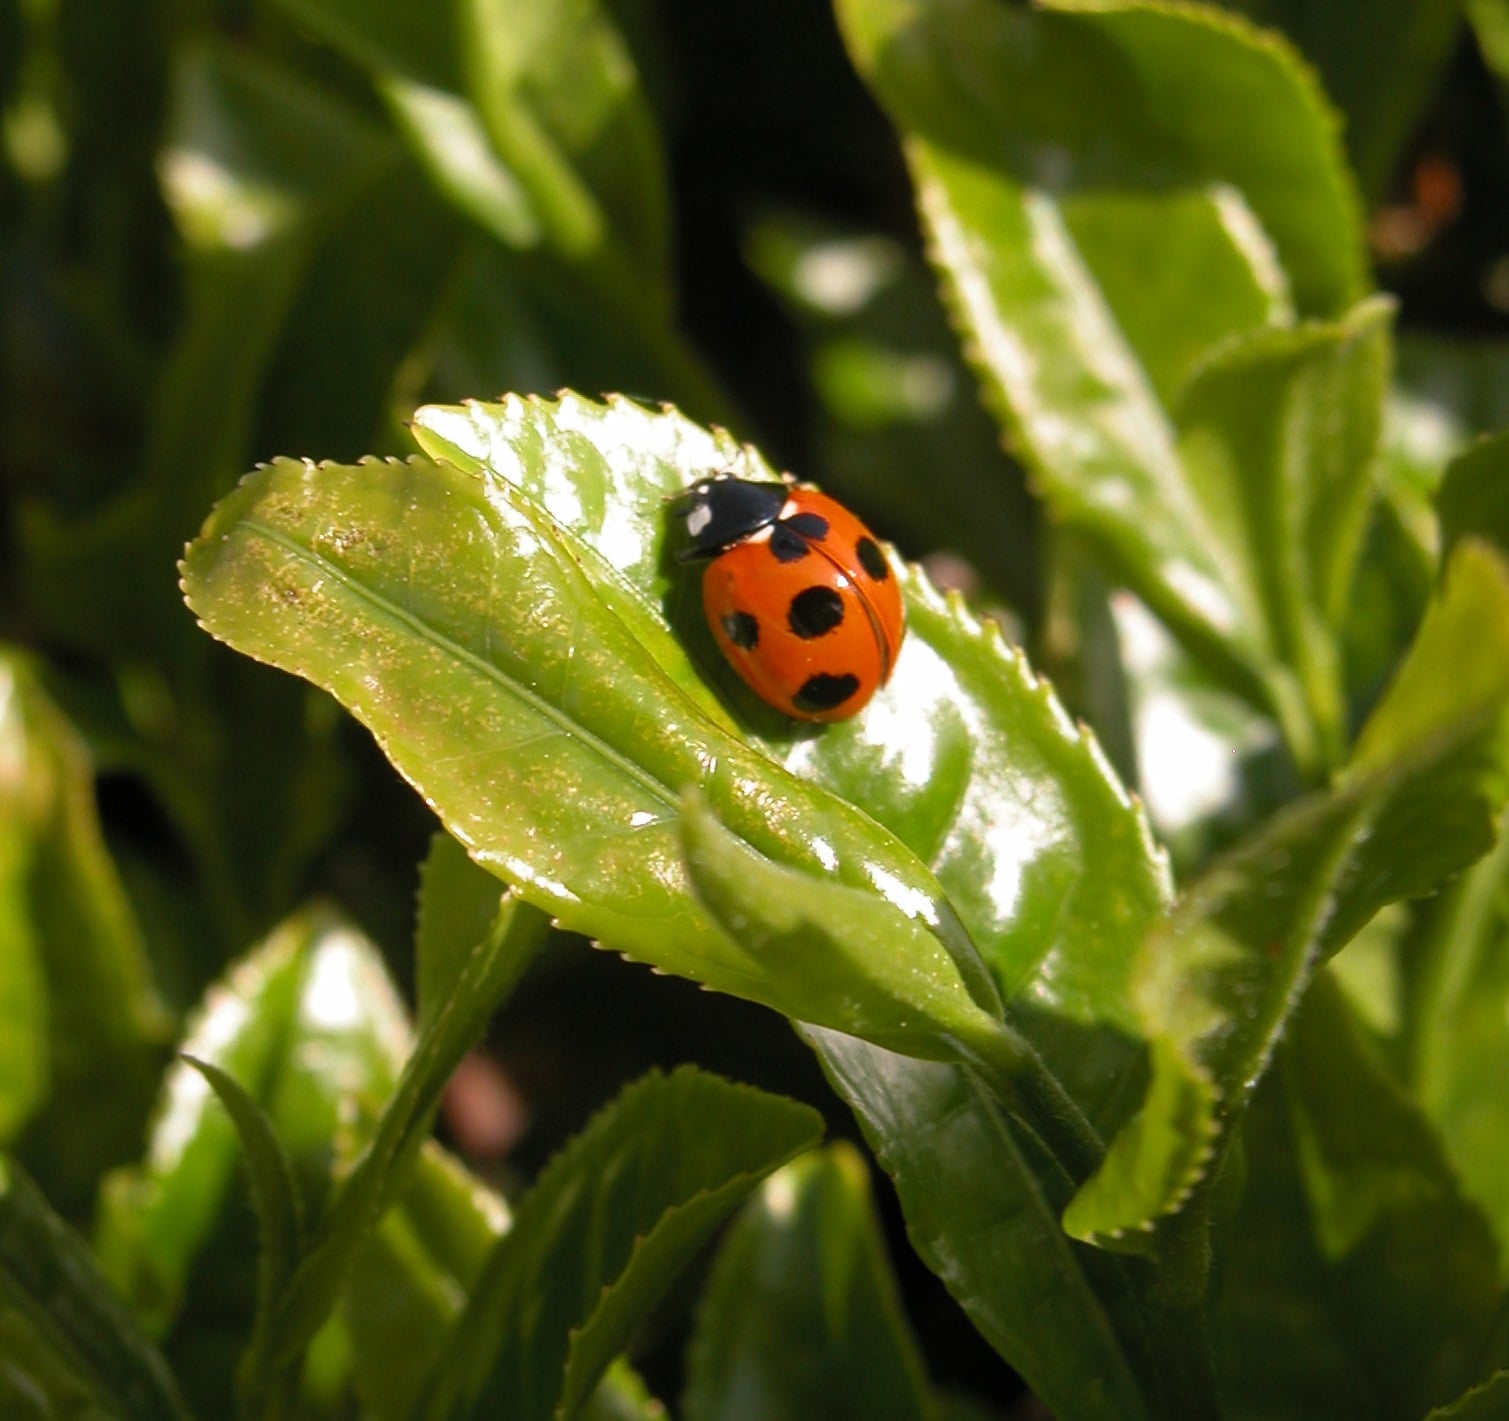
x=872, y=559
x=786, y=545
x=824, y=692
x=815, y=611
x=812, y=526
x=741, y=629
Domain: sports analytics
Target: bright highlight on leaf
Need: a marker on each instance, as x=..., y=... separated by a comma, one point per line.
x=1134, y=333
x=514, y=678
x=1217, y=984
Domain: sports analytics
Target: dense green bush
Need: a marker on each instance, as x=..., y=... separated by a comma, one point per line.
x=1193, y=1101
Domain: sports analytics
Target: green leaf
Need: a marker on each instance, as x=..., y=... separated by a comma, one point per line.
x=254, y=161
x=965, y=756
x=409, y=1281
x=554, y=729
x=67, y=1346
x=1086, y=94
x=458, y=902
x=602, y=1234
x=535, y=123
x=1276, y=435
x=362, y=1196
x=892, y=979
x=1219, y=979
x=970, y=760
x=1488, y=1401
x=800, y=1316
x=1025, y=130
x=535, y=126
x=893, y=396
x=448, y=138
x=1381, y=86
x=984, y=1216
x=308, y=1023
x=560, y=98
x=83, y=1029
x=896, y=984
x=1473, y=499
x=274, y=1194
x=1359, y=1258
x=1458, y=1030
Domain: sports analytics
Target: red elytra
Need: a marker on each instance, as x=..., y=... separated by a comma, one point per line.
x=798, y=594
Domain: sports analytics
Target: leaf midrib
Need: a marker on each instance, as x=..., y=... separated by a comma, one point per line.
x=629, y=768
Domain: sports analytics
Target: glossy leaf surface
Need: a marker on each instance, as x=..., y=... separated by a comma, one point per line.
x=1028, y=195
x=602, y=1233
x=965, y=755
x=800, y=1316
x=834, y=940
x=984, y=1216
x=520, y=703
x=1218, y=981
x=67, y=1346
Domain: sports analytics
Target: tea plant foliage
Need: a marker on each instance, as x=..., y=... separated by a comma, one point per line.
x=1220, y=1142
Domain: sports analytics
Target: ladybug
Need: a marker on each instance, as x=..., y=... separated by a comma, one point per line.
x=798, y=594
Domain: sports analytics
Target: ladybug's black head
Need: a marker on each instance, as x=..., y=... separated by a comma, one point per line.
x=722, y=510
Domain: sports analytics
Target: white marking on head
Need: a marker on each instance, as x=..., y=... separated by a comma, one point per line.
x=700, y=516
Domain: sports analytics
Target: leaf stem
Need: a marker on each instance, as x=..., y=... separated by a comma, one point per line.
x=1016, y=1075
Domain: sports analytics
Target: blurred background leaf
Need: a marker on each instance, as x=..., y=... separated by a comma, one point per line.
x=237, y=229
x=85, y=1031
x=800, y=1316
x=67, y=1346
